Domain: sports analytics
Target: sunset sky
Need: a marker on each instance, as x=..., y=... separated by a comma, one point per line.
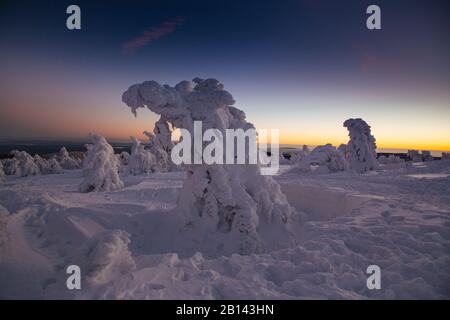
x=300, y=66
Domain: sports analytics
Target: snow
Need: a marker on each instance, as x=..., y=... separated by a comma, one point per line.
x=100, y=167
x=129, y=244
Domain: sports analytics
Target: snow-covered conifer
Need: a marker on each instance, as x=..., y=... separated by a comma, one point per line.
x=66, y=161
x=100, y=167
x=141, y=161
x=361, y=148
x=234, y=202
x=22, y=164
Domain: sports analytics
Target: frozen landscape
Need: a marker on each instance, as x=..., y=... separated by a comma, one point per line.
x=141, y=227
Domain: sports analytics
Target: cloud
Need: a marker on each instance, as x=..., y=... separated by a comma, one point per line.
x=151, y=35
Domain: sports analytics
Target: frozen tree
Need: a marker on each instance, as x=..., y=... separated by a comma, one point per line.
x=2, y=173
x=124, y=158
x=245, y=210
x=49, y=166
x=66, y=161
x=426, y=156
x=414, y=155
x=296, y=156
x=22, y=164
x=327, y=157
x=100, y=167
x=162, y=158
x=362, y=155
x=141, y=161
x=445, y=155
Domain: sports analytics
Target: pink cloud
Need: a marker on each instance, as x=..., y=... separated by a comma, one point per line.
x=152, y=34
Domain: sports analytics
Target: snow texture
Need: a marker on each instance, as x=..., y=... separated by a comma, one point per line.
x=100, y=167
x=361, y=148
x=229, y=205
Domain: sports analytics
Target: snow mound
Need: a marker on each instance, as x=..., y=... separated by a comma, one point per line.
x=327, y=157
x=105, y=257
x=100, y=167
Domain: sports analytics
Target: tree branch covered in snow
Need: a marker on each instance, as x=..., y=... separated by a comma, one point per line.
x=234, y=202
x=100, y=167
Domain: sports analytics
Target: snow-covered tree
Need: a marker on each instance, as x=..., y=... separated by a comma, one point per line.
x=100, y=167
x=66, y=161
x=22, y=164
x=49, y=166
x=242, y=208
x=327, y=157
x=361, y=148
x=141, y=161
x=162, y=158
x=123, y=157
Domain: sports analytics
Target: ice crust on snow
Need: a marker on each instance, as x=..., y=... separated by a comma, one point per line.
x=233, y=202
x=100, y=167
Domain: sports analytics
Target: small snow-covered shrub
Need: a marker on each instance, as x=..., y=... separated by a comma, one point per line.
x=141, y=161
x=327, y=157
x=49, y=166
x=362, y=155
x=106, y=256
x=66, y=161
x=100, y=167
x=22, y=164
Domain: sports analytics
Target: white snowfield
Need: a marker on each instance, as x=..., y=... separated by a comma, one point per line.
x=128, y=242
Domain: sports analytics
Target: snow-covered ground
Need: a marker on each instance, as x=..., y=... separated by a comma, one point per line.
x=128, y=245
